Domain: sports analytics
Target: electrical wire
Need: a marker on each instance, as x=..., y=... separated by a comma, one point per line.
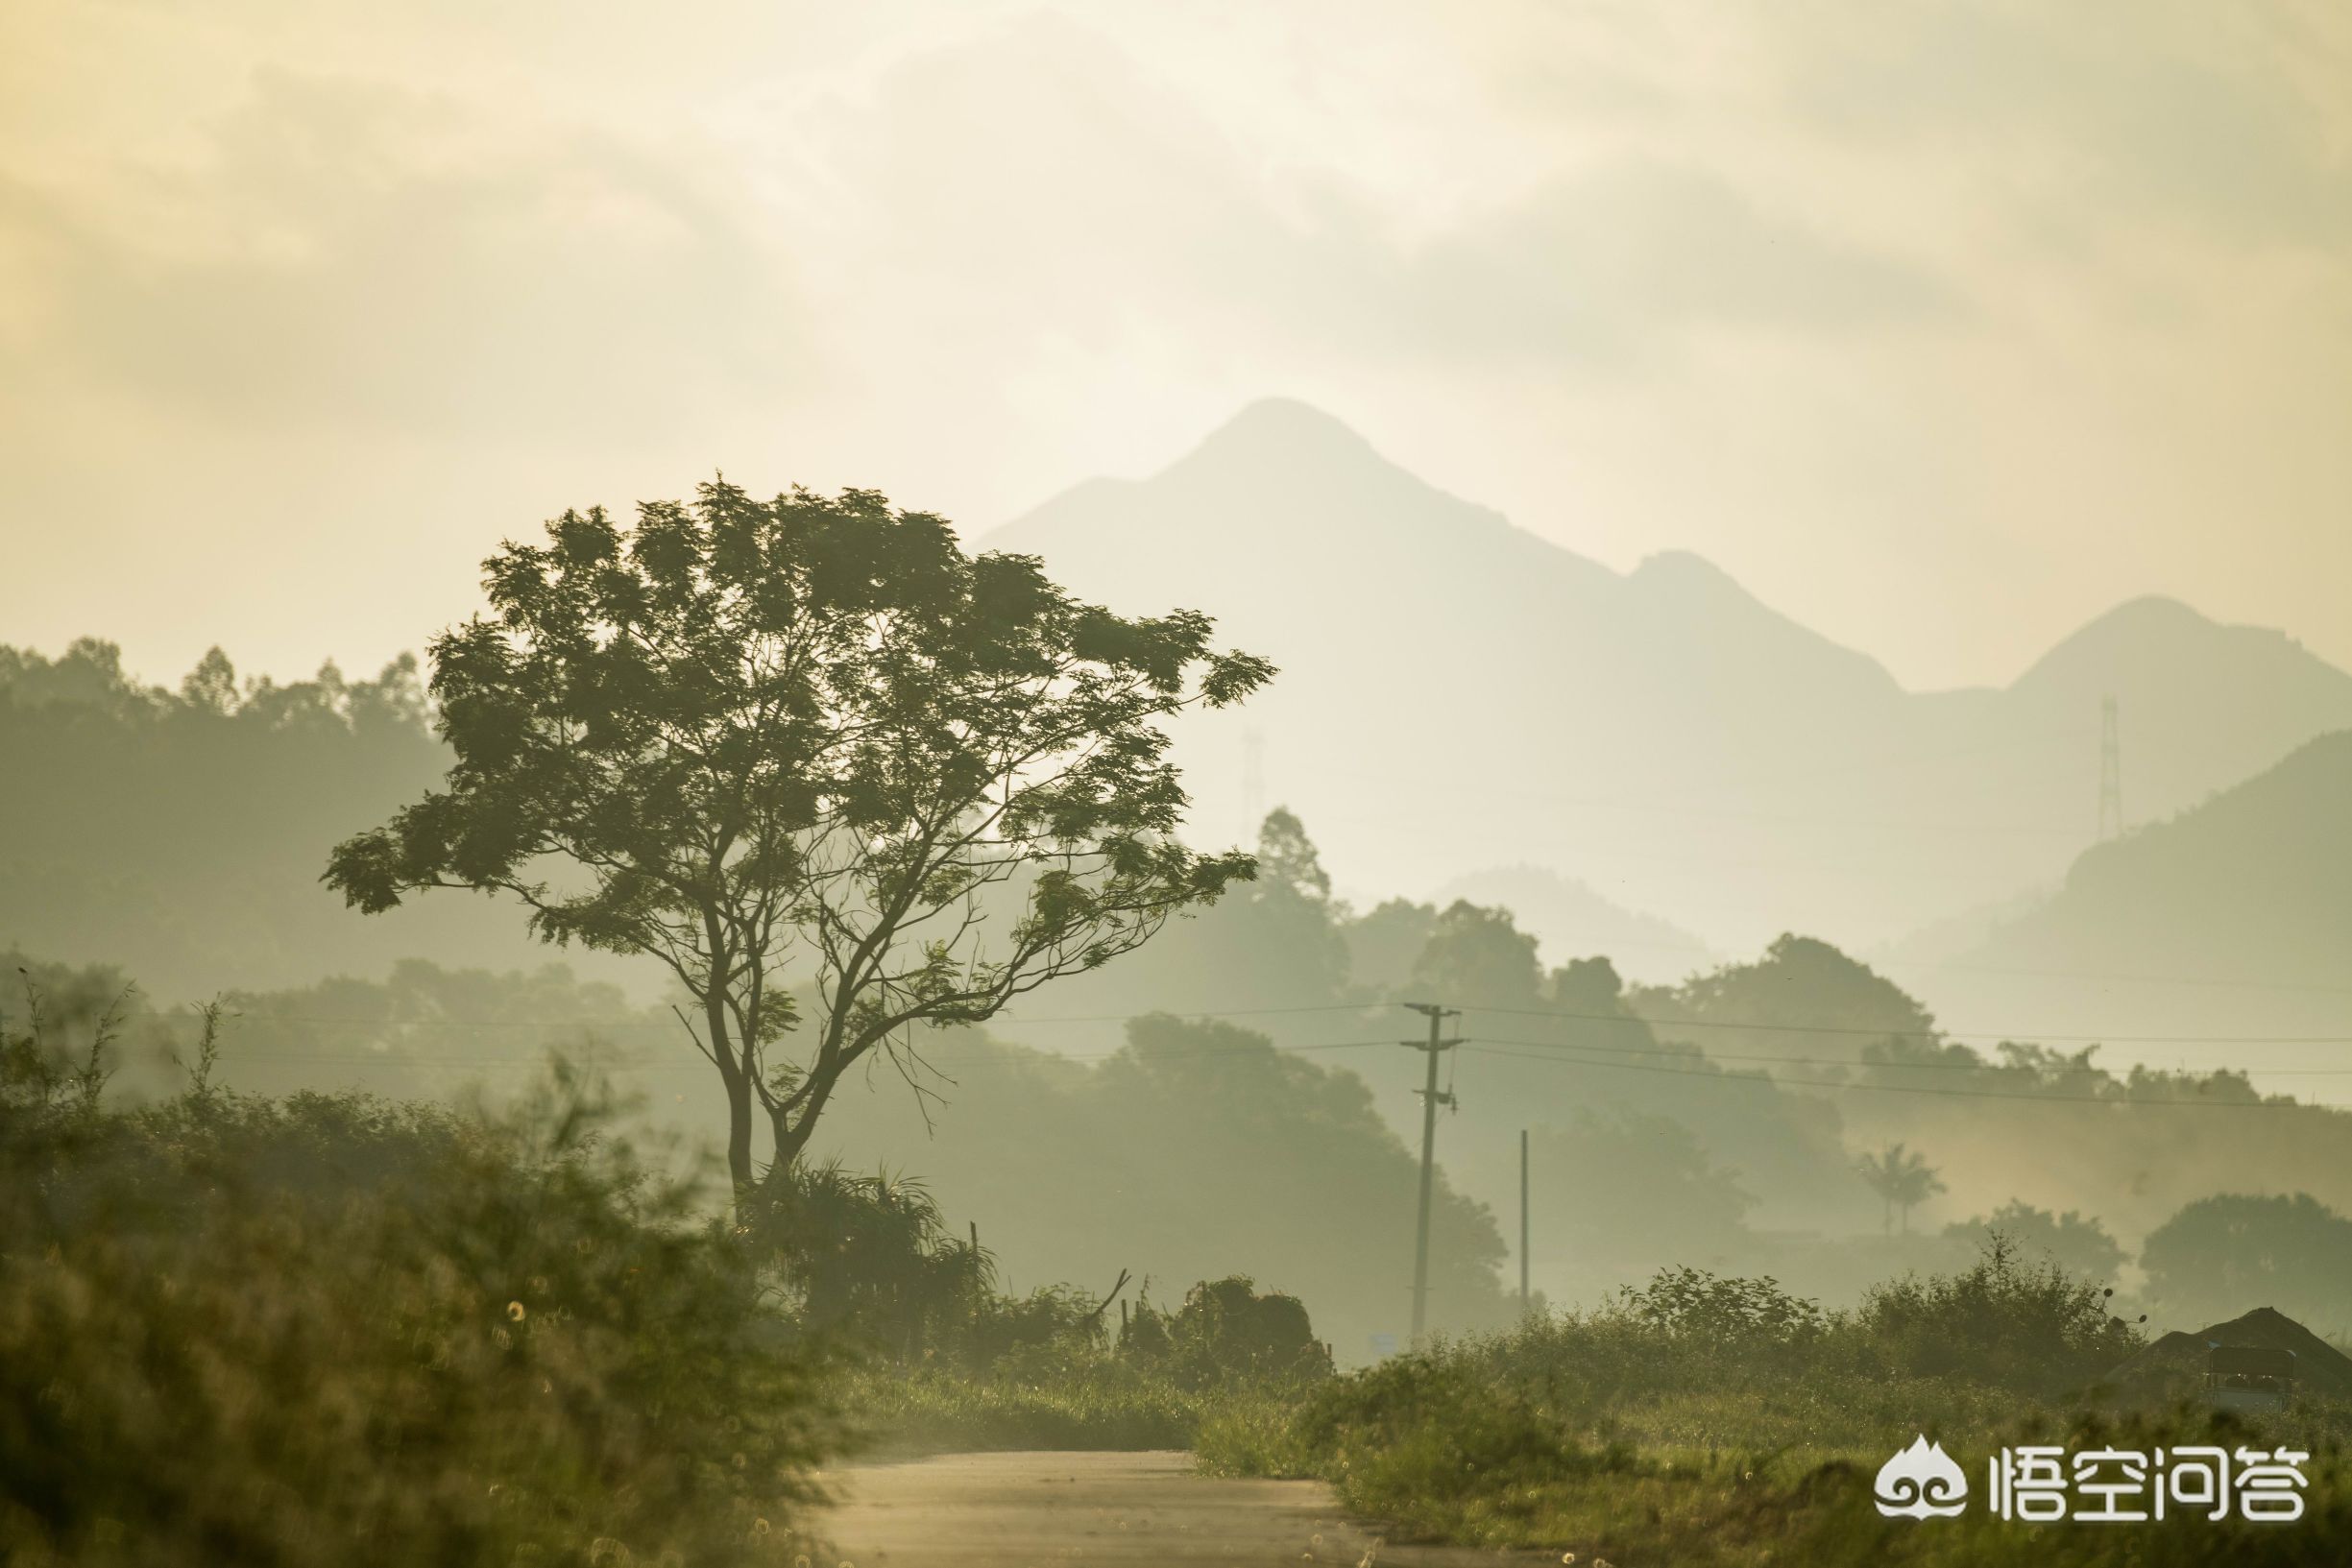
x=1768, y=1059
x=1665, y=1025
x=1659, y=1025
x=1761, y=1081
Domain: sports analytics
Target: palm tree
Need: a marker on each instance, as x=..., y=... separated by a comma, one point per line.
x=1902, y=1179
x=874, y=1251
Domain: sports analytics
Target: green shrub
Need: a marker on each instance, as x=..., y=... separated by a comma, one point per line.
x=1693, y=1380
x=1227, y=1334
x=331, y=1330
x=1036, y=1372
x=1047, y=1397
x=868, y=1258
x=2031, y=1328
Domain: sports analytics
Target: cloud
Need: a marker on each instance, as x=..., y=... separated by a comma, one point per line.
x=350, y=251
x=1040, y=174
x=2233, y=120
x=1624, y=260
x=1999, y=293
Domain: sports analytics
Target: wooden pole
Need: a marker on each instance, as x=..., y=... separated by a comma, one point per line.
x=1522, y=1222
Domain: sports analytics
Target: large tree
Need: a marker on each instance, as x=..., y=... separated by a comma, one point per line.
x=842, y=779
x=2227, y=1254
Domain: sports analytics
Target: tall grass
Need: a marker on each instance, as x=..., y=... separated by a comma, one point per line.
x=1706, y=1421
x=1067, y=1382
x=331, y=1330
x=1102, y=1404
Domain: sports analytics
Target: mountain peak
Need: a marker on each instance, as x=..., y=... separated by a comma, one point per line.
x=2151, y=614
x=2157, y=639
x=1283, y=429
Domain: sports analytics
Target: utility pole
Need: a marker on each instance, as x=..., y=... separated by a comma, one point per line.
x=2110, y=774
x=1522, y=1222
x=1430, y=1097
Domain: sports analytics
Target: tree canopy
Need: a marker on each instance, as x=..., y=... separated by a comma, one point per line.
x=809, y=753
x=1900, y=1176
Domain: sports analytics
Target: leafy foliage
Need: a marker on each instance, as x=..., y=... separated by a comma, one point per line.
x=866, y=1254
x=1226, y=1333
x=2221, y=1255
x=179, y=835
x=338, y=1330
x=2076, y=1242
x=2031, y=1327
x=1663, y=1190
x=809, y=732
x=1162, y=1156
x=1707, y=1420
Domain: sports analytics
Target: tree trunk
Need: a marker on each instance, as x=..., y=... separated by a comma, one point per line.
x=793, y=1135
x=736, y=1076
x=793, y=1132
x=739, y=1131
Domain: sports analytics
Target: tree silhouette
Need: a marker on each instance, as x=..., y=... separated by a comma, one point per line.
x=2221, y=1255
x=1478, y=955
x=1287, y=857
x=1902, y=1179
x=809, y=753
x=2076, y=1242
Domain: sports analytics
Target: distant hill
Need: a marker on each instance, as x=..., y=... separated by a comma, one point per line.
x=2233, y=918
x=1459, y=692
x=1574, y=922
x=180, y=835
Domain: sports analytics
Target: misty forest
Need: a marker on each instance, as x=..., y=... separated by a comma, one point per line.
x=761, y=990
x=986, y=784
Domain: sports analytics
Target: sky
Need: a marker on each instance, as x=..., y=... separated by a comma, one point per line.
x=1942, y=327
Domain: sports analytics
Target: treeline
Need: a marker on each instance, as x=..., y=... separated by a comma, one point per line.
x=1194, y=1148
x=1721, y=1122
x=1190, y=1151
x=180, y=833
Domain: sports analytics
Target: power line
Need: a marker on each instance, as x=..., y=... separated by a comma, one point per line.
x=665, y=1029
x=1621, y=1020
x=1481, y=1045
x=1847, y=1061
x=389, y=1058
x=1664, y=1025
x=1762, y=1081
x=1184, y=1012
x=1937, y=968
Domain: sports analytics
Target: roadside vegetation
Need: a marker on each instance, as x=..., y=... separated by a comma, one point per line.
x=331, y=1329
x=934, y=1357
x=855, y=795
x=1707, y=1420
x=338, y=1327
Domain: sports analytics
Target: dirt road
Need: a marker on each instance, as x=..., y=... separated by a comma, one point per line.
x=1012, y=1510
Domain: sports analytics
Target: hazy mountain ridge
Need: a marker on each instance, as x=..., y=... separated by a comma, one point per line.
x=1574, y=922
x=2230, y=919
x=1458, y=691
